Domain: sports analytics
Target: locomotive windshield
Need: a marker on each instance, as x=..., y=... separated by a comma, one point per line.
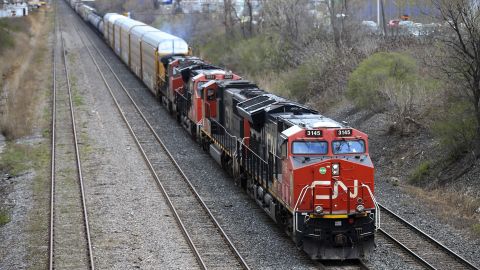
x=199, y=88
x=309, y=147
x=348, y=147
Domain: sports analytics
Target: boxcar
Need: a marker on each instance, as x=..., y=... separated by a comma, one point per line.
x=136, y=35
x=126, y=26
x=122, y=36
x=108, y=23
x=156, y=45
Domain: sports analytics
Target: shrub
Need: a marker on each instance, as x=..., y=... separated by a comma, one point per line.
x=380, y=71
x=249, y=57
x=455, y=128
x=420, y=173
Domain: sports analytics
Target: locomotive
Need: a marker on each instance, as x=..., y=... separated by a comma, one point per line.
x=312, y=175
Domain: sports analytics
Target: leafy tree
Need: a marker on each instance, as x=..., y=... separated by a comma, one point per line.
x=367, y=83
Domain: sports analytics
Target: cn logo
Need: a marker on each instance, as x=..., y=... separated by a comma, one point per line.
x=336, y=186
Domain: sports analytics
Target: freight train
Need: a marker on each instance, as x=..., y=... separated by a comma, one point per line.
x=312, y=175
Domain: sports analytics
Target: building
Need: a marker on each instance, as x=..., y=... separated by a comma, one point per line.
x=14, y=10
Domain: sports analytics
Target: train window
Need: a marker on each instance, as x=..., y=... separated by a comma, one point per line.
x=309, y=147
x=348, y=147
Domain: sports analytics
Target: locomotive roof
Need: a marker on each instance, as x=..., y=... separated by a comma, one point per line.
x=309, y=120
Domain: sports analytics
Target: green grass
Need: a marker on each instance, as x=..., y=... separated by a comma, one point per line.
x=77, y=99
x=421, y=172
x=476, y=229
x=4, y=217
x=18, y=158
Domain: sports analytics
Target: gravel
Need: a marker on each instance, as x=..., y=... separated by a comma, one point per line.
x=392, y=194
x=258, y=238
x=131, y=225
x=254, y=234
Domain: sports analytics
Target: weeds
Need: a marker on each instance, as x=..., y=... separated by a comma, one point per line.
x=4, y=217
x=476, y=229
x=420, y=173
x=7, y=27
x=18, y=158
x=456, y=129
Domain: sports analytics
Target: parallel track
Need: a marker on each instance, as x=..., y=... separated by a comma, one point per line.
x=69, y=234
x=208, y=241
x=426, y=250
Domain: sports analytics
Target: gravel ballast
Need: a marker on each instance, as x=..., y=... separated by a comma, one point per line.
x=131, y=225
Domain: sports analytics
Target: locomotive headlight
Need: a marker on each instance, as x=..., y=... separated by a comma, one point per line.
x=319, y=209
x=360, y=208
x=335, y=169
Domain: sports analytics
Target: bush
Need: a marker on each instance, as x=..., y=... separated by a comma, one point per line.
x=420, y=173
x=456, y=128
x=248, y=57
x=374, y=74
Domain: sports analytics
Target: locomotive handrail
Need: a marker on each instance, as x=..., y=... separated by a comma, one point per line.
x=377, y=207
x=302, y=196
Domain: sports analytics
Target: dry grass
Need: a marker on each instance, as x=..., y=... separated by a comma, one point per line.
x=25, y=75
x=456, y=209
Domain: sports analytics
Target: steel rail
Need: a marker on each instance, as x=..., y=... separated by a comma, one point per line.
x=160, y=141
x=77, y=155
x=147, y=160
x=425, y=235
x=409, y=251
x=52, y=157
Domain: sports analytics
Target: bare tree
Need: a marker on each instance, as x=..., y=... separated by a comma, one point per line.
x=248, y=5
x=461, y=54
x=228, y=17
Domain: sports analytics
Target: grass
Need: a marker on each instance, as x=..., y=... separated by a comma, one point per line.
x=18, y=158
x=446, y=202
x=476, y=229
x=420, y=173
x=7, y=28
x=4, y=217
x=15, y=159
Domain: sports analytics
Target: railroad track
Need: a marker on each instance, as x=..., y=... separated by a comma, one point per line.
x=343, y=265
x=69, y=235
x=207, y=239
x=424, y=249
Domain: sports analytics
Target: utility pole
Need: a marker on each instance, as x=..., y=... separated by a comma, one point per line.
x=378, y=13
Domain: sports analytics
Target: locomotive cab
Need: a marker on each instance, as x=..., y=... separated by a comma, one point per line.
x=332, y=200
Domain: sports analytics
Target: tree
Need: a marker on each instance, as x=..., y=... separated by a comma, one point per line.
x=228, y=17
x=460, y=59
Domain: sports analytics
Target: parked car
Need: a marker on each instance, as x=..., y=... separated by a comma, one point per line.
x=393, y=23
